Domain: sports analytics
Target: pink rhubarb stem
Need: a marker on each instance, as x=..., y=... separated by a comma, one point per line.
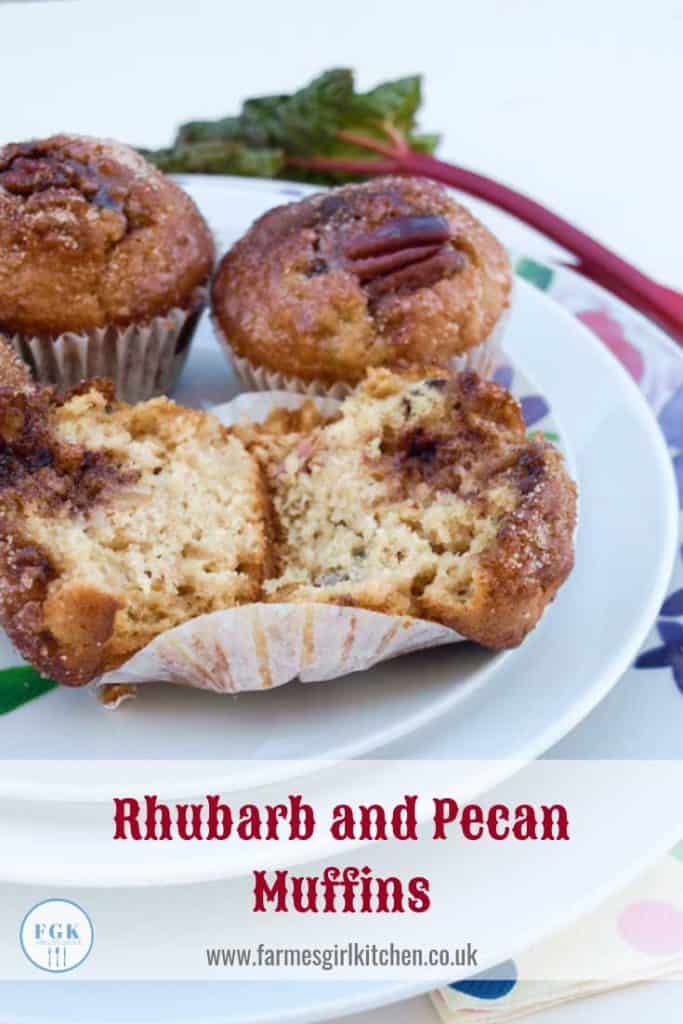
x=595, y=261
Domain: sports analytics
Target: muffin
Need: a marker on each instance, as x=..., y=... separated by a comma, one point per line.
x=420, y=497
x=423, y=498
x=118, y=522
x=392, y=272
x=104, y=264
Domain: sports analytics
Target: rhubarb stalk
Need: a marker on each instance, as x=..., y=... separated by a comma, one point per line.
x=593, y=260
x=329, y=132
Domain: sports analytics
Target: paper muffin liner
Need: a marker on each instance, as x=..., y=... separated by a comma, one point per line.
x=259, y=646
x=143, y=360
x=483, y=359
x=260, y=378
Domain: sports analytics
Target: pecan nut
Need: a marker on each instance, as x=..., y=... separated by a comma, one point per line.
x=402, y=255
x=375, y=266
x=399, y=233
x=27, y=169
x=446, y=262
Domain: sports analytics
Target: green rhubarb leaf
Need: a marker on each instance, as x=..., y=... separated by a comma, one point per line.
x=326, y=118
x=20, y=685
x=213, y=156
x=260, y=123
x=394, y=102
x=226, y=129
x=424, y=142
x=307, y=121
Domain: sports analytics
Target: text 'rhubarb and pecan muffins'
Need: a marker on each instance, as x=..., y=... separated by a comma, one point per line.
x=104, y=264
x=389, y=273
x=422, y=496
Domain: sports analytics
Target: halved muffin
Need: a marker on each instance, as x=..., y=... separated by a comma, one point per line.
x=421, y=497
x=424, y=497
x=118, y=522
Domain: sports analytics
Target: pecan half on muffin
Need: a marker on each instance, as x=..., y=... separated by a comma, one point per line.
x=392, y=272
x=104, y=264
x=424, y=497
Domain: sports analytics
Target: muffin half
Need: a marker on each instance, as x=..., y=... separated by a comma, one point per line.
x=425, y=498
x=392, y=272
x=118, y=522
x=104, y=264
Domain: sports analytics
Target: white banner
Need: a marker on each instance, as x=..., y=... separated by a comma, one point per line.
x=377, y=869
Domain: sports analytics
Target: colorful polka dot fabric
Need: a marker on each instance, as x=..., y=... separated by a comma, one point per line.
x=636, y=935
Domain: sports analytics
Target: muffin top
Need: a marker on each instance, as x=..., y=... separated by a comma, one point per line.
x=91, y=234
x=391, y=272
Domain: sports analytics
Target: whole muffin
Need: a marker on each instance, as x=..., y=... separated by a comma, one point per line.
x=392, y=272
x=104, y=264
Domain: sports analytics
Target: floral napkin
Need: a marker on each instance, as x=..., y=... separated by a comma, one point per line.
x=655, y=363
x=636, y=935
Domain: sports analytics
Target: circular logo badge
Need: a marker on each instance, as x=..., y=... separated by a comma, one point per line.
x=56, y=935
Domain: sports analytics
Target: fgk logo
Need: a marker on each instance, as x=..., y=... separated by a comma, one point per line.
x=56, y=935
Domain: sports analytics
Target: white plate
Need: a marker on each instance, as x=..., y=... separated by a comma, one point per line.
x=354, y=716
x=344, y=719
x=605, y=423
x=642, y=721
x=347, y=718
x=584, y=643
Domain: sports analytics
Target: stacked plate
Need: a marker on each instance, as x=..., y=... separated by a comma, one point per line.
x=497, y=712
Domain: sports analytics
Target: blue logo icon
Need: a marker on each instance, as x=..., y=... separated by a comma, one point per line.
x=56, y=935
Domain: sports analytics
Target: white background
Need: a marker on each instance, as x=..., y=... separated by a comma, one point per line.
x=577, y=104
